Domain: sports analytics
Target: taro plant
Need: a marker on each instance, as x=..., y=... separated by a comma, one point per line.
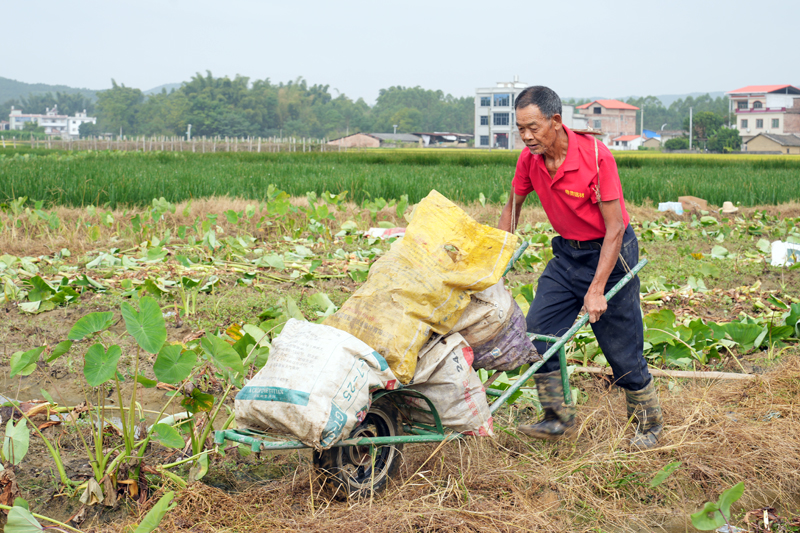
x=714, y=515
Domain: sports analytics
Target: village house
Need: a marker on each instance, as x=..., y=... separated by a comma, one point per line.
x=495, y=120
x=772, y=109
x=612, y=117
x=376, y=140
x=774, y=143
x=627, y=142
x=54, y=124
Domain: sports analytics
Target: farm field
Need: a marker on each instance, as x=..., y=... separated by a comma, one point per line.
x=135, y=178
x=116, y=297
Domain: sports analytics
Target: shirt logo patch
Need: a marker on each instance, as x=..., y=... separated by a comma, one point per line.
x=575, y=194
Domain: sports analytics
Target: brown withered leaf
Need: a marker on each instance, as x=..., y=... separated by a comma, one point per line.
x=193, y=336
x=9, y=490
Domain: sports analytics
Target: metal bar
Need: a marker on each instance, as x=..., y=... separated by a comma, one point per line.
x=546, y=338
x=514, y=258
x=562, y=361
x=364, y=441
x=563, y=340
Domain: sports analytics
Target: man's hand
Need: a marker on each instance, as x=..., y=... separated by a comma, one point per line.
x=595, y=304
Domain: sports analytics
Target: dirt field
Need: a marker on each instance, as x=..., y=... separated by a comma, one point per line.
x=721, y=432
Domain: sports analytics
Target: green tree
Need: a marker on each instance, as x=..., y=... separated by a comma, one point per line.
x=32, y=127
x=119, y=108
x=704, y=124
x=725, y=140
x=87, y=129
x=677, y=143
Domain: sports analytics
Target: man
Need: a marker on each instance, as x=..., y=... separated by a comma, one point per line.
x=576, y=179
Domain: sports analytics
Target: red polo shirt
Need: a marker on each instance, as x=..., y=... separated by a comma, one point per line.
x=570, y=198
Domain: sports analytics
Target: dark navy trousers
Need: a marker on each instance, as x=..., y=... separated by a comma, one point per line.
x=559, y=299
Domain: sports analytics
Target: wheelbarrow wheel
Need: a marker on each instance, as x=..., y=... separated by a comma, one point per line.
x=350, y=470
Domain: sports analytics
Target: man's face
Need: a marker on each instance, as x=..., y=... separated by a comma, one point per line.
x=537, y=132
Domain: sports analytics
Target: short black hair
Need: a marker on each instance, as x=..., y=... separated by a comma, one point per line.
x=542, y=97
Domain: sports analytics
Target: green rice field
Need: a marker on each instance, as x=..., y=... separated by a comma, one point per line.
x=133, y=178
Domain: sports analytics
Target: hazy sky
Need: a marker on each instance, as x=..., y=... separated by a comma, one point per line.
x=578, y=48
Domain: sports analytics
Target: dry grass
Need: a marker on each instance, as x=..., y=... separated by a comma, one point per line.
x=722, y=432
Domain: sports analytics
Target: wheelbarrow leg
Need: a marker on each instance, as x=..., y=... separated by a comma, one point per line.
x=562, y=359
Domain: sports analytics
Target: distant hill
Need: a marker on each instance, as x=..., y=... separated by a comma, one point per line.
x=167, y=86
x=15, y=89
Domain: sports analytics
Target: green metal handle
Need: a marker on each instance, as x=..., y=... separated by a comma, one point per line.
x=558, y=346
x=516, y=256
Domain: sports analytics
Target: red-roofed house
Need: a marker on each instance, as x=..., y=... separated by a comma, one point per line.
x=612, y=117
x=627, y=142
x=773, y=109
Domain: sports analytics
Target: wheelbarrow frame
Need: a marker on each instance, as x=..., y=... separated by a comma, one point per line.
x=418, y=432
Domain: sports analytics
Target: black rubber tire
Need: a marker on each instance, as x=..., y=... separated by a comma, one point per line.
x=348, y=469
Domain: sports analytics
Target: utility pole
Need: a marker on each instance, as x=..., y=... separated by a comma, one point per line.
x=690, y=128
x=642, y=132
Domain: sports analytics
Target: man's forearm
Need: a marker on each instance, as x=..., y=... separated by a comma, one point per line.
x=612, y=244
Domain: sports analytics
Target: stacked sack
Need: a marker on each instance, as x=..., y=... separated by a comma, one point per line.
x=432, y=309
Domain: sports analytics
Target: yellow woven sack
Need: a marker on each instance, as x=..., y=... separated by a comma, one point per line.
x=423, y=283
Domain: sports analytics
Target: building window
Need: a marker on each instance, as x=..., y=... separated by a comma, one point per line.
x=484, y=120
x=759, y=123
x=500, y=119
x=502, y=100
x=741, y=105
x=775, y=123
x=744, y=123
x=597, y=124
x=485, y=101
x=484, y=140
x=597, y=110
x=757, y=105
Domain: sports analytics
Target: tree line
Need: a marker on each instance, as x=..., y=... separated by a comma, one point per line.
x=239, y=107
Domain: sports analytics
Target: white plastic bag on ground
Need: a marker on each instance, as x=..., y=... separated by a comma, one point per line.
x=316, y=385
x=445, y=376
x=486, y=315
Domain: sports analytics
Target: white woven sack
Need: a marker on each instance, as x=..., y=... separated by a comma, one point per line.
x=444, y=374
x=486, y=314
x=316, y=385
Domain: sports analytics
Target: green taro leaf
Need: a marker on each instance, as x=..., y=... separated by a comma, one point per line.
x=20, y=520
x=147, y=327
x=659, y=327
x=729, y=497
x=60, y=349
x=16, y=441
x=719, y=252
x=707, y=269
x=156, y=514
x=173, y=365
x=708, y=518
x=147, y=383
x=664, y=473
x=90, y=324
x=101, y=365
x=223, y=356
x=24, y=363
x=167, y=436
x=198, y=402
x=743, y=334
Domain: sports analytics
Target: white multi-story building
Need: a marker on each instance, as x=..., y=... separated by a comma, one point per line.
x=495, y=123
x=54, y=124
x=773, y=109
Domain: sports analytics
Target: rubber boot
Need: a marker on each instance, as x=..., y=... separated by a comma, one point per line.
x=559, y=418
x=644, y=408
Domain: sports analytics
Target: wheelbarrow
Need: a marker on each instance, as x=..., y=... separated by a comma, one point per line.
x=363, y=463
